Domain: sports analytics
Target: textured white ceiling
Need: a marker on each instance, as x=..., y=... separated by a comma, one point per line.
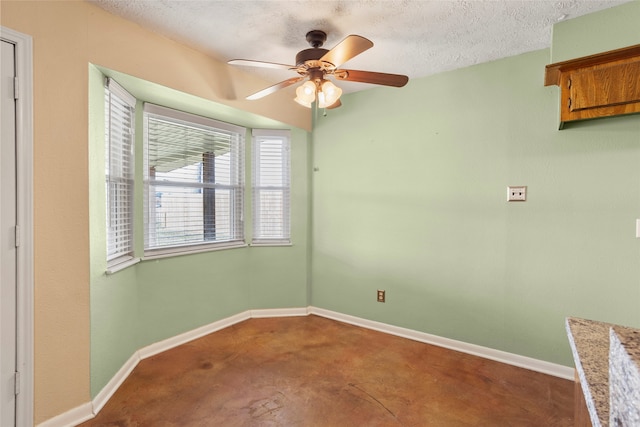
x=412, y=37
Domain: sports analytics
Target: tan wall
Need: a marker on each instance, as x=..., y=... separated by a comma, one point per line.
x=67, y=36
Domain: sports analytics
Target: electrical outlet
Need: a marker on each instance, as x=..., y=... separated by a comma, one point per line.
x=517, y=194
x=381, y=295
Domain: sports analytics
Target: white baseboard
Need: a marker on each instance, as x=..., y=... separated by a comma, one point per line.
x=280, y=312
x=541, y=366
x=164, y=345
x=89, y=410
x=112, y=386
x=71, y=418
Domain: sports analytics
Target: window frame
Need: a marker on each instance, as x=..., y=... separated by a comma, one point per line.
x=237, y=216
x=259, y=136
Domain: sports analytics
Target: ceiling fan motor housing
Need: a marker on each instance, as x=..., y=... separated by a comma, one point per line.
x=312, y=54
x=316, y=39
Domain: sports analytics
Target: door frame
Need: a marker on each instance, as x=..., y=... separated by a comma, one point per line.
x=24, y=179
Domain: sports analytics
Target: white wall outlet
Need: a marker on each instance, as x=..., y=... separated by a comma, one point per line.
x=517, y=194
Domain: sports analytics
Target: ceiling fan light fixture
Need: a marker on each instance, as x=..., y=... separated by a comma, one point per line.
x=328, y=94
x=302, y=102
x=306, y=94
x=316, y=63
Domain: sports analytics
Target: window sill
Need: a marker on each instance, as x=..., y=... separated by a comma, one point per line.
x=178, y=251
x=121, y=264
x=260, y=243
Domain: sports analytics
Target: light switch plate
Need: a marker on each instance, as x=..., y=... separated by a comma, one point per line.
x=517, y=194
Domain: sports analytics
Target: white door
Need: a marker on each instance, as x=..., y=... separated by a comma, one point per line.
x=8, y=238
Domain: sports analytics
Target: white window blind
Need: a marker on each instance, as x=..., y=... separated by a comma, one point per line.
x=271, y=180
x=119, y=170
x=194, y=181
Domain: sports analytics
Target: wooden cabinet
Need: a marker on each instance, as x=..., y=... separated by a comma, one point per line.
x=602, y=85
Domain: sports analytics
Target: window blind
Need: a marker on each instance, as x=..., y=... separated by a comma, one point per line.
x=271, y=179
x=119, y=167
x=194, y=180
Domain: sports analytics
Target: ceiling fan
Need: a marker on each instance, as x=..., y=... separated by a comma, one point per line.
x=316, y=63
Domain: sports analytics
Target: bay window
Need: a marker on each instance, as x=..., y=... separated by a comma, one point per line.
x=193, y=182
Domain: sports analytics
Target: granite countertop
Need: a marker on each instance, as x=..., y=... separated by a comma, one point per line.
x=624, y=377
x=590, y=346
x=589, y=342
x=630, y=339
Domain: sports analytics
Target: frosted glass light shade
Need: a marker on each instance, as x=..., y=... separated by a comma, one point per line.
x=328, y=94
x=306, y=94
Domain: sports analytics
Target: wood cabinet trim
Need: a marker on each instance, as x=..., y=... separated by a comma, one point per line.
x=553, y=71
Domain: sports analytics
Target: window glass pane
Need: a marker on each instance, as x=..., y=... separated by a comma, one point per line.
x=119, y=167
x=271, y=182
x=194, y=180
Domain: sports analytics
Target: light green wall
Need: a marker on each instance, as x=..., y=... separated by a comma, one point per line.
x=410, y=197
x=272, y=269
x=158, y=299
x=113, y=299
x=609, y=29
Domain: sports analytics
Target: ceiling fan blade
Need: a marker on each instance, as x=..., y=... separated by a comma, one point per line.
x=276, y=87
x=396, y=80
x=261, y=64
x=349, y=47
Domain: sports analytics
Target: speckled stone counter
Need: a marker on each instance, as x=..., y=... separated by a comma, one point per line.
x=589, y=342
x=624, y=377
x=590, y=346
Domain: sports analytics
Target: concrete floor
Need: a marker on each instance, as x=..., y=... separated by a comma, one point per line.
x=312, y=371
